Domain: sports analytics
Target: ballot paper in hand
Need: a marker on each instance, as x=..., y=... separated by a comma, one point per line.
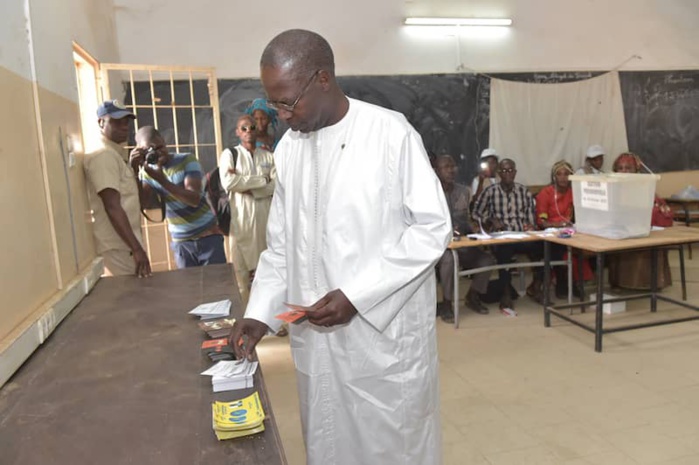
x=212, y=310
x=297, y=314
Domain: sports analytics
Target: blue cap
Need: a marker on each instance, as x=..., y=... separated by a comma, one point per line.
x=113, y=109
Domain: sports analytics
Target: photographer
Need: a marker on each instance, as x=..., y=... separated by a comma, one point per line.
x=487, y=170
x=177, y=178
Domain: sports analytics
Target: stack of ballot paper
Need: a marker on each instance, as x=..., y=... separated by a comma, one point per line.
x=212, y=310
x=218, y=349
x=229, y=375
x=217, y=328
x=238, y=418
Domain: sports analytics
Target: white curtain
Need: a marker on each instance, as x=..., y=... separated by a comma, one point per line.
x=539, y=124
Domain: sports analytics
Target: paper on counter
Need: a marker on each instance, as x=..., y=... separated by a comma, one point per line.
x=228, y=368
x=212, y=310
x=478, y=236
x=512, y=235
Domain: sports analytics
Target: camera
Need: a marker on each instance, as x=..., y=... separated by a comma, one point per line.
x=151, y=156
x=484, y=166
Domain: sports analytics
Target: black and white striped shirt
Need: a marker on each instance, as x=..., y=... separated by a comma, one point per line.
x=515, y=208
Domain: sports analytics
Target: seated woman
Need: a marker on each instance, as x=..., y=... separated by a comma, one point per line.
x=263, y=116
x=554, y=209
x=631, y=270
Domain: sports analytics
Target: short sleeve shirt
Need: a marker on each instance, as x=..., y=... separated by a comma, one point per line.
x=107, y=168
x=183, y=221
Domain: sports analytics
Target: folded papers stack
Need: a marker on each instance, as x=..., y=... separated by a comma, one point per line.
x=229, y=375
x=238, y=418
x=217, y=328
x=211, y=310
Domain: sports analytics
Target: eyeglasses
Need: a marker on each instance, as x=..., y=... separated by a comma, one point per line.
x=290, y=108
x=507, y=170
x=248, y=128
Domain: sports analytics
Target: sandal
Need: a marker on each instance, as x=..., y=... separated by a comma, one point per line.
x=282, y=332
x=536, y=293
x=531, y=291
x=475, y=304
x=506, y=304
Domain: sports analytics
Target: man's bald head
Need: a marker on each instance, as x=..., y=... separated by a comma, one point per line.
x=300, y=53
x=442, y=159
x=148, y=134
x=446, y=170
x=247, y=119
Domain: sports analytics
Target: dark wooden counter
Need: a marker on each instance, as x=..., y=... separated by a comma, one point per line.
x=118, y=382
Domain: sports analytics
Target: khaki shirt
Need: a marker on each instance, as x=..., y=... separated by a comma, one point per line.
x=107, y=168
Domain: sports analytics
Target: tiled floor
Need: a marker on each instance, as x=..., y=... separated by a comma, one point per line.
x=516, y=393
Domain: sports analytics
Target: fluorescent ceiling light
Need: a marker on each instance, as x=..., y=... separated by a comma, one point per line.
x=458, y=21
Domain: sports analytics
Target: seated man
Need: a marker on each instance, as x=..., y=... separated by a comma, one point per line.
x=177, y=178
x=509, y=206
x=458, y=199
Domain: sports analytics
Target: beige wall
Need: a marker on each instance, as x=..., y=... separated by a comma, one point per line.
x=60, y=119
x=28, y=276
x=673, y=182
x=47, y=240
x=368, y=37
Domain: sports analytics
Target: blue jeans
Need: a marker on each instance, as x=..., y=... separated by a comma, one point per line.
x=199, y=252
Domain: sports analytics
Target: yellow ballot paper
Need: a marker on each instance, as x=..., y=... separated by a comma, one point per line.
x=238, y=418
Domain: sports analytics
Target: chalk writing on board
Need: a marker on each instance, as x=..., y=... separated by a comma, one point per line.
x=553, y=77
x=661, y=109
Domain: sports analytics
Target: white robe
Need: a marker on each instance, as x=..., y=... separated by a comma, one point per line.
x=358, y=207
x=248, y=212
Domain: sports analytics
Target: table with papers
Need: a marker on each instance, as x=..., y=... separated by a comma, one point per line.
x=119, y=382
x=484, y=239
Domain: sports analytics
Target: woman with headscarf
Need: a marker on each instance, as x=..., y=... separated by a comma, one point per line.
x=631, y=270
x=263, y=116
x=554, y=204
x=554, y=209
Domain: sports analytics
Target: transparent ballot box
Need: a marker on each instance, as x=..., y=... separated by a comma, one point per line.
x=614, y=205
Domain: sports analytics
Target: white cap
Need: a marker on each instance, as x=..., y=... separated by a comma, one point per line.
x=594, y=151
x=488, y=153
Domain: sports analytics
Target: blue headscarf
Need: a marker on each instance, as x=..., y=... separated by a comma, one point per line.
x=261, y=104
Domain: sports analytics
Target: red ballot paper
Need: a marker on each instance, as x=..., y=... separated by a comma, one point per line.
x=297, y=314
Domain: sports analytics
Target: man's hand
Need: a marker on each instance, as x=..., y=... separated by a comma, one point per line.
x=245, y=335
x=136, y=158
x=140, y=258
x=528, y=227
x=155, y=172
x=333, y=309
x=496, y=224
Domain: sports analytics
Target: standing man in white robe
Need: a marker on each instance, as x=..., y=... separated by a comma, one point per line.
x=358, y=221
x=248, y=177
